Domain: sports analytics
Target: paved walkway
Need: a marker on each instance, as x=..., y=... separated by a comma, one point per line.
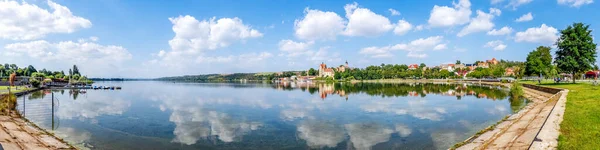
x=16, y=134
x=521, y=129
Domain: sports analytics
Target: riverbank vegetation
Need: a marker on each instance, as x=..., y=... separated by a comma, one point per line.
x=8, y=103
x=40, y=76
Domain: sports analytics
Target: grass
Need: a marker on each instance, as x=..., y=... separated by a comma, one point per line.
x=580, y=128
x=4, y=89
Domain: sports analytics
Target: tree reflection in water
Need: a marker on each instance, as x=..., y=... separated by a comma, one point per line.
x=402, y=90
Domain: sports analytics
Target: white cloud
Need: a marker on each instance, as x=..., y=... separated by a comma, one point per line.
x=440, y=47
x=483, y=22
x=495, y=11
x=394, y=12
x=575, y=3
x=443, y=16
x=525, y=18
x=421, y=44
x=94, y=39
x=195, y=36
x=69, y=51
x=496, y=45
x=414, y=48
x=318, y=25
x=516, y=3
x=496, y=1
x=419, y=28
x=364, y=22
x=378, y=52
x=416, y=55
x=193, y=39
x=503, y=31
x=544, y=34
x=96, y=58
x=293, y=48
x=402, y=27
x=23, y=21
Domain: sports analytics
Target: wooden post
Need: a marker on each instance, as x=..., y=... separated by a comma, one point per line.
x=52, y=110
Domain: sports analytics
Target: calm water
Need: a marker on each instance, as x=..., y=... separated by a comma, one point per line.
x=166, y=115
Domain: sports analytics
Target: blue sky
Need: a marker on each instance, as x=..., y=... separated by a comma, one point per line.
x=112, y=38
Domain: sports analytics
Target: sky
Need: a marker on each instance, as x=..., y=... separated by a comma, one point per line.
x=147, y=39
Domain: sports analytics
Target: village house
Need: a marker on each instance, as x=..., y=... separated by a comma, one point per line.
x=325, y=72
x=492, y=62
x=471, y=66
x=483, y=65
x=509, y=72
x=592, y=74
x=343, y=68
x=449, y=67
x=413, y=67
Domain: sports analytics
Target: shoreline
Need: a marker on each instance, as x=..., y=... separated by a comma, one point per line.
x=535, y=126
x=17, y=132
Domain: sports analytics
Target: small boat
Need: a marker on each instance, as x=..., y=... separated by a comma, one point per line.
x=118, y=87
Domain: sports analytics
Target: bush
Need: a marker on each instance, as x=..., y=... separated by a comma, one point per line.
x=8, y=103
x=34, y=82
x=516, y=91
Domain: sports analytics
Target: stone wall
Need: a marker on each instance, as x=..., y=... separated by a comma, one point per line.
x=543, y=89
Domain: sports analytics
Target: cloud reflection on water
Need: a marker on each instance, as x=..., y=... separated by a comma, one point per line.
x=319, y=134
x=367, y=135
x=194, y=124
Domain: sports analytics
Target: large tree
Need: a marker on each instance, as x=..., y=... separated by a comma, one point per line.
x=576, y=49
x=539, y=61
x=75, y=70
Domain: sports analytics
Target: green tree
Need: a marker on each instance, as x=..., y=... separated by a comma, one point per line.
x=458, y=62
x=539, y=61
x=38, y=75
x=576, y=49
x=75, y=70
x=312, y=72
x=337, y=75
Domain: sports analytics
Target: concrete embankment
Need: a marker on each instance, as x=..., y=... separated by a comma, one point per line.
x=16, y=133
x=534, y=127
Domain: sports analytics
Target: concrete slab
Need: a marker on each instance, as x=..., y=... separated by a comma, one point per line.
x=4, y=136
x=9, y=125
x=521, y=129
x=53, y=142
x=23, y=137
x=10, y=146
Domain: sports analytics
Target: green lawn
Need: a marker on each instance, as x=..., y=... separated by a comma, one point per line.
x=4, y=89
x=580, y=128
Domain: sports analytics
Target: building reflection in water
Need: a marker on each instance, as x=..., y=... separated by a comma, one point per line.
x=396, y=90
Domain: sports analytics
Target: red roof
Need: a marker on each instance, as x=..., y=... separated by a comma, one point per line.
x=413, y=66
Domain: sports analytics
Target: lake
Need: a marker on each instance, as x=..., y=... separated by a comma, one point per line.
x=167, y=115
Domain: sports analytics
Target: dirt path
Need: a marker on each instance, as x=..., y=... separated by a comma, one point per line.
x=521, y=129
x=17, y=134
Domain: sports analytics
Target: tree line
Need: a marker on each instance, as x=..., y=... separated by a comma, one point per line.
x=73, y=75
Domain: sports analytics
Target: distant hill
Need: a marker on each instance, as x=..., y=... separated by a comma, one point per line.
x=231, y=77
x=216, y=77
